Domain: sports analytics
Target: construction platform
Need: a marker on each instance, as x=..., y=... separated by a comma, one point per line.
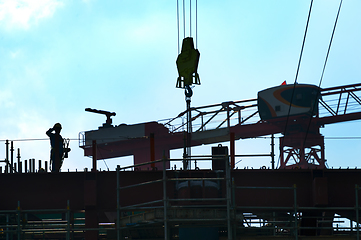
x=168, y=204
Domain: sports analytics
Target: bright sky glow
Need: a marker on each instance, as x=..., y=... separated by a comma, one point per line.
x=58, y=57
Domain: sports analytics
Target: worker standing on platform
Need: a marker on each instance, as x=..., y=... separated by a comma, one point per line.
x=57, y=149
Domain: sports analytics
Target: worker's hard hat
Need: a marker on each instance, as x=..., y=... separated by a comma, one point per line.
x=57, y=125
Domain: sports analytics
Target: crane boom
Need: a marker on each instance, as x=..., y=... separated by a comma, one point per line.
x=214, y=124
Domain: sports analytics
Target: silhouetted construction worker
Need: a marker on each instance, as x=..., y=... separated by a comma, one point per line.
x=57, y=149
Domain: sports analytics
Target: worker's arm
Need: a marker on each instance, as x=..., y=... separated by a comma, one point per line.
x=49, y=131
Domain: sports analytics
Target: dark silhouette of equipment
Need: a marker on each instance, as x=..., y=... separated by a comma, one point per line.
x=108, y=122
x=301, y=146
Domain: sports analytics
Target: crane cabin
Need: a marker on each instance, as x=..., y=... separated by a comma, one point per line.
x=288, y=99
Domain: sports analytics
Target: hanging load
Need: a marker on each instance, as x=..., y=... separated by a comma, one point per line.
x=275, y=102
x=187, y=64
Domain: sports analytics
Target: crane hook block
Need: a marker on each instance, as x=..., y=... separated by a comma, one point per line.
x=187, y=64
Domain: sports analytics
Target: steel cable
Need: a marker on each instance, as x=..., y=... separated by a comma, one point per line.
x=298, y=66
x=323, y=70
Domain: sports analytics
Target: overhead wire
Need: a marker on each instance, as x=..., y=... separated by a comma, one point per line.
x=323, y=71
x=77, y=139
x=298, y=66
x=329, y=46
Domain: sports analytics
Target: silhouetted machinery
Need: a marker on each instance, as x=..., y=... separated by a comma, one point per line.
x=108, y=122
x=293, y=110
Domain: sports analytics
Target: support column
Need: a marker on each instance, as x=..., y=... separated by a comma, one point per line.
x=12, y=157
x=152, y=150
x=273, y=151
x=94, y=145
x=232, y=149
x=90, y=204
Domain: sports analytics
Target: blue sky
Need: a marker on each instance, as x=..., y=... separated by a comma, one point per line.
x=58, y=57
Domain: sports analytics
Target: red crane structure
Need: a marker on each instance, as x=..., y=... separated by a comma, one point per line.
x=300, y=199
x=301, y=146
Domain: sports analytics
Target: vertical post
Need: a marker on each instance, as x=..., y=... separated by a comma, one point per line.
x=18, y=230
x=33, y=160
x=273, y=151
x=30, y=165
x=234, y=208
x=26, y=166
x=94, y=169
x=12, y=157
x=228, y=199
x=189, y=133
x=357, y=213
x=232, y=149
x=152, y=150
x=282, y=161
x=19, y=164
x=165, y=199
x=7, y=156
x=118, y=207
x=39, y=166
x=67, y=220
x=7, y=226
x=187, y=153
x=46, y=166
x=295, y=209
x=228, y=118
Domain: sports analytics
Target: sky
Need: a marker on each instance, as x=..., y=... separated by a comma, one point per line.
x=58, y=57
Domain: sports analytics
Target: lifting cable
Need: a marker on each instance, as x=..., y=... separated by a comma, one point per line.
x=190, y=22
x=298, y=66
x=178, y=25
x=329, y=46
x=184, y=20
x=323, y=70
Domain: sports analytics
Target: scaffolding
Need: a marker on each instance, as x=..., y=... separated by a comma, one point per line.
x=197, y=203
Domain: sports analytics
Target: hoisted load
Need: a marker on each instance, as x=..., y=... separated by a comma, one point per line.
x=187, y=64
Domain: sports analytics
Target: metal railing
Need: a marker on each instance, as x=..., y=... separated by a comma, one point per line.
x=166, y=201
x=166, y=211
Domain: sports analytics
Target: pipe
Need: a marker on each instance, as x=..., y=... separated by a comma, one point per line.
x=357, y=213
x=118, y=207
x=11, y=157
x=273, y=151
x=33, y=164
x=7, y=156
x=19, y=163
x=165, y=199
x=228, y=192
